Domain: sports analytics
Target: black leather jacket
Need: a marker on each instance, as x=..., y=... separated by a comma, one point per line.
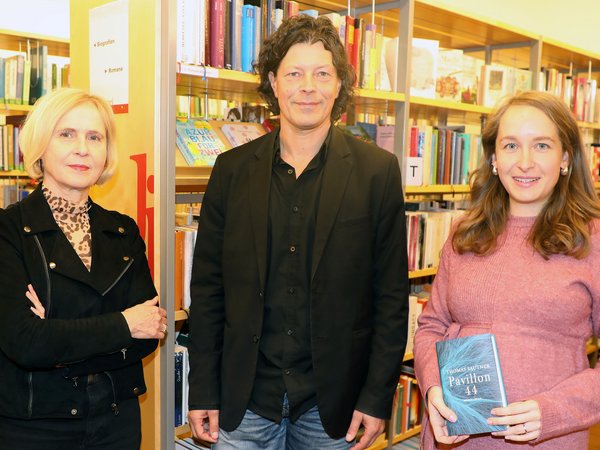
x=44, y=363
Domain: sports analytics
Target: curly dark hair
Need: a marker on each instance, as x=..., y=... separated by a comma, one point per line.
x=303, y=29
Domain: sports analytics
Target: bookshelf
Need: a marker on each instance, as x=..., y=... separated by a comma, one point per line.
x=12, y=41
x=159, y=78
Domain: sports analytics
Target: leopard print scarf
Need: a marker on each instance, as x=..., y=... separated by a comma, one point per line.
x=74, y=221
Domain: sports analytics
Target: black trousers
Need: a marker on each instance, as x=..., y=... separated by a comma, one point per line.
x=101, y=429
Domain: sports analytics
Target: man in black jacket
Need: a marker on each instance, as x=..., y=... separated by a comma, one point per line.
x=299, y=283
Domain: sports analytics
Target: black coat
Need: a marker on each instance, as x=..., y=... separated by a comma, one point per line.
x=359, y=282
x=43, y=363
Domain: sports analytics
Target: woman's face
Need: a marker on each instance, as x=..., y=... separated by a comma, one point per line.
x=529, y=157
x=76, y=155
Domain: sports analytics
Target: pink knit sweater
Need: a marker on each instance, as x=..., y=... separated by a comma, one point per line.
x=542, y=312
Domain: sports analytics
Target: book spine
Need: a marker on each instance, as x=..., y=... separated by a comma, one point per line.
x=217, y=33
x=247, y=37
x=498, y=371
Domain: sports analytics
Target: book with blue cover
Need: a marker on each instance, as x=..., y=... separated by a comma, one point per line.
x=472, y=382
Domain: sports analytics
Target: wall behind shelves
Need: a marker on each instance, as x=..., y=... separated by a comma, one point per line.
x=45, y=17
x=574, y=22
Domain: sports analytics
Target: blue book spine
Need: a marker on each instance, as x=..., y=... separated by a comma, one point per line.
x=472, y=382
x=247, y=37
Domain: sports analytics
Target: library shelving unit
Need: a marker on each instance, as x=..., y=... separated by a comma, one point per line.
x=147, y=131
x=16, y=41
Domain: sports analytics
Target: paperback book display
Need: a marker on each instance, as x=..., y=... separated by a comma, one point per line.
x=472, y=382
x=198, y=142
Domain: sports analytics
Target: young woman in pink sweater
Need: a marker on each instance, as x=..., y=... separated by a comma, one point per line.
x=524, y=264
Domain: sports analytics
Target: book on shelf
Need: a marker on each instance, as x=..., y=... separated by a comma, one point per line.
x=472, y=382
x=471, y=72
x=182, y=369
x=198, y=142
x=493, y=84
x=241, y=133
x=416, y=304
x=449, y=75
x=424, y=67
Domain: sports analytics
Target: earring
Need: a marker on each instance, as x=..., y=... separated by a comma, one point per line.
x=564, y=170
x=494, y=170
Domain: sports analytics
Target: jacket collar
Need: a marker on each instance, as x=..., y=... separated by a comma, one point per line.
x=109, y=258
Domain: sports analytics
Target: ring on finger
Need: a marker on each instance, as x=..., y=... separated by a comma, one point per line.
x=524, y=429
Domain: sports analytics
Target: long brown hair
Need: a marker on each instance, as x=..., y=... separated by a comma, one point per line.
x=563, y=225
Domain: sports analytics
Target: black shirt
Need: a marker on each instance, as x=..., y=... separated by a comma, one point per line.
x=285, y=357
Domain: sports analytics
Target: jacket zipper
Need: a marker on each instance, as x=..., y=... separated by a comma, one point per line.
x=30, y=404
x=113, y=406
x=48, y=287
x=119, y=277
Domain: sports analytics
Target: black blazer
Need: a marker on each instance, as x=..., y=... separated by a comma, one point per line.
x=43, y=362
x=359, y=283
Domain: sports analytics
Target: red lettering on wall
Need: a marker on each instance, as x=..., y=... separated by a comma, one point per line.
x=145, y=214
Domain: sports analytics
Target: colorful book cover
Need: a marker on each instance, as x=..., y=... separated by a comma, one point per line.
x=198, y=142
x=240, y=133
x=449, y=75
x=472, y=382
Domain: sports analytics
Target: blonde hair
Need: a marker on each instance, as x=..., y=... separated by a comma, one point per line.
x=41, y=122
x=563, y=225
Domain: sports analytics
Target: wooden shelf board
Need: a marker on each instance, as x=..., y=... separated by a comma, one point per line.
x=183, y=431
x=460, y=29
x=437, y=189
x=181, y=315
x=446, y=105
x=13, y=173
x=559, y=55
x=10, y=40
x=422, y=273
x=410, y=433
x=590, y=125
x=6, y=108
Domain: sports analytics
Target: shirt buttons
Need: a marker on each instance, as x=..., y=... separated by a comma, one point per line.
x=291, y=290
x=52, y=265
x=27, y=229
x=74, y=412
x=125, y=258
x=255, y=339
x=121, y=230
x=292, y=248
x=287, y=371
x=295, y=209
x=290, y=332
x=290, y=171
x=136, y=391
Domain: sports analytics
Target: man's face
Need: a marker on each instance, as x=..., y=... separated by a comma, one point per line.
x=306, y=86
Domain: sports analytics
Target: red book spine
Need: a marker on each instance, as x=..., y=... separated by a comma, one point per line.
x=217, y=33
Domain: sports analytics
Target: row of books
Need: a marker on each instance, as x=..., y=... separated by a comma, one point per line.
x=26, y=76
x=408, y=406
x=441, y=155
x=200, y=142
x=11, y=192
x=579, y=92
x=427, y=231
x=452, y=75
x=11, y=157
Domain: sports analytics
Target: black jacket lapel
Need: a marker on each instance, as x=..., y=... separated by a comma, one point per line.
x=259, y=183
x=338, y=167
